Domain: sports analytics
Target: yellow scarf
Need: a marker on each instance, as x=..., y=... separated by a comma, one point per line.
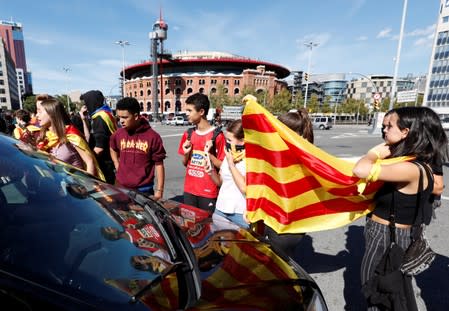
x=75, y=139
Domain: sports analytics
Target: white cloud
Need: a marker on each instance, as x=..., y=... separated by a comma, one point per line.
x=384, y=33
x=40, y=41
x=356, y=5
x=429, y=30
x=110, y=62
x=303, y=51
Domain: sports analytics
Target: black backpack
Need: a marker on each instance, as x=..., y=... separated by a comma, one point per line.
x=217, y=131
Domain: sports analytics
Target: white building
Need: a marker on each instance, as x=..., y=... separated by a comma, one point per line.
x=9, y=93
x=365, y=87
x=436, y=95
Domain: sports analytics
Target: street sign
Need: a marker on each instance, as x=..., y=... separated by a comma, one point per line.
x=376, y=96
x=407, y=96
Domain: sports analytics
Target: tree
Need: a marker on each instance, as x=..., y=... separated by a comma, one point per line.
x=281, y=102
x=298, y=100
x=326, y=108
x=313, y=104
x=29, y=103
x=220, y=98
x=65, y=101
x=353, y=106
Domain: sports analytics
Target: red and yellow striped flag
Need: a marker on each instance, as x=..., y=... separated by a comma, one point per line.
x=294, y=186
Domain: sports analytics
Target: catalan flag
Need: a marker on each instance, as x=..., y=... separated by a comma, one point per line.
x=106, y=115
x=294, y=186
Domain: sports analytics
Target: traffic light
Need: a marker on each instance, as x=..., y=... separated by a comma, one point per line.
x=376, y=104
x=306, y=76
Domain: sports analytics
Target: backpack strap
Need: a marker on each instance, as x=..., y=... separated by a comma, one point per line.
x=217, y=131
x=189, y=132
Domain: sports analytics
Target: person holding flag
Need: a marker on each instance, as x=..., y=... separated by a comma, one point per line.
x=415, y=133
x=299, y=122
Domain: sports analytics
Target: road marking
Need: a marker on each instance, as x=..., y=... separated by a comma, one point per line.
x=172, y=135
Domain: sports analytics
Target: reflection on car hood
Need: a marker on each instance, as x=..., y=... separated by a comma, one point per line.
x=236, y=268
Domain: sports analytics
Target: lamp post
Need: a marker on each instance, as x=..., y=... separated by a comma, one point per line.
x=310, y=45
x=122, y=43
x=398, y=55
x=66, y=70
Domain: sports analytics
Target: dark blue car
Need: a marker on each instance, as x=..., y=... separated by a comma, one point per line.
x=70, y=242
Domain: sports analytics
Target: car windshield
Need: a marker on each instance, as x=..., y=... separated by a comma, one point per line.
x=60, y=226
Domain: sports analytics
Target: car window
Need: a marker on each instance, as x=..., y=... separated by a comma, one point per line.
x=59, y=225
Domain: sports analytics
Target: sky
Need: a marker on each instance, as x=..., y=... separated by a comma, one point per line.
x=359, y=36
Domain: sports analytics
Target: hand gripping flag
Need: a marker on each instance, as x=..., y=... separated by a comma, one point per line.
x=294, y=186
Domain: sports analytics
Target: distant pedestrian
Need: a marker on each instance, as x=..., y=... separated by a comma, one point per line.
x=103, y=125
x=137, y=151
x=81, y=121
x=196, y=148
x=3, y=126
x=25, y=131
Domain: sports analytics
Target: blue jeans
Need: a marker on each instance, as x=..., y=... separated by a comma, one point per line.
x=235, y=218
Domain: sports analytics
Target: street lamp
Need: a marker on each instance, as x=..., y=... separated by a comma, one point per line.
x=66, y=70
x=122, y=43
x=398, y=55
x=310, y=45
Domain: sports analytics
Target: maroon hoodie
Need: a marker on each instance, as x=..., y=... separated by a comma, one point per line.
x=139, y=151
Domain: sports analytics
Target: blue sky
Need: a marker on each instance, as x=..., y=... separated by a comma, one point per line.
x=353, y=35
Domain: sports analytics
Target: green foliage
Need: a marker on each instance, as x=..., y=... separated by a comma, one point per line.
x=65, y=100
x=281, y=102
x=29, y=103
x=352, y=105
x=313, y=104
x=220, y=98
x=326, y=107
x=298, y=101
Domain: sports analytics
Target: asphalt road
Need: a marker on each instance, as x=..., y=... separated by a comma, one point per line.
x=333, y=257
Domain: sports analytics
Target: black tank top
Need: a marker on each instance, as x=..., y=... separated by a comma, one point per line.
x=405, y=204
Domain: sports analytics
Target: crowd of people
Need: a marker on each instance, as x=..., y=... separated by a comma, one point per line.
x=125, y=150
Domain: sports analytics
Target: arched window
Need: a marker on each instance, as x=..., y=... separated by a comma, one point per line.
x=178, y=106
x=148, y=106
x=189, y=90
x=213, y=90
x=178, y=91
x=167, y=91
x=141, y=93
x=167, y=105
x=201, y=90
x=236, y=91
x=141, y=106
x=148, y=92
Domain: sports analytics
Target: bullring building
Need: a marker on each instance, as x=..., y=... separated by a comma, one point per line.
x=187, y=73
